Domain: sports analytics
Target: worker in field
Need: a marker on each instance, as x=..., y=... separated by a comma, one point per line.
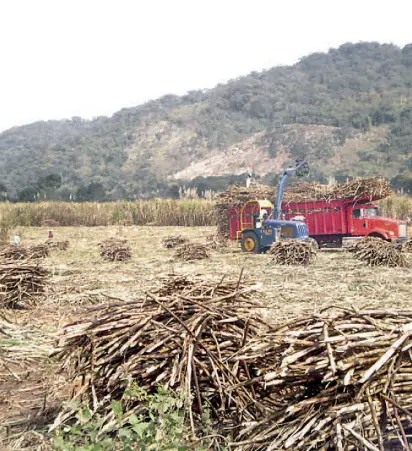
x=50, y=235
x=16, y=239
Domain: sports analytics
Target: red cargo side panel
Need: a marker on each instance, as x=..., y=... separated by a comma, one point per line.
x=321, y=217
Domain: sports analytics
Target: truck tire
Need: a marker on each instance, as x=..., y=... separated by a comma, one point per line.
x=250, y=243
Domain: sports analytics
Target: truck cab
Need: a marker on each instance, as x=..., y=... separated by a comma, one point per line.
x=365, y=220
x=336, y=221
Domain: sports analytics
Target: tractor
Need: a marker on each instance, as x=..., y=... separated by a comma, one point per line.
x=259, y=224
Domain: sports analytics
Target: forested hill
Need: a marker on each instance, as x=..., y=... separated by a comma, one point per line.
x=349, y=110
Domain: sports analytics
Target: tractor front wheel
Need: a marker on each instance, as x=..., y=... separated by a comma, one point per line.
x=250, y=243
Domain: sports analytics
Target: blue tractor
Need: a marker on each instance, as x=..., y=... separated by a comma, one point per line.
x=268, y=228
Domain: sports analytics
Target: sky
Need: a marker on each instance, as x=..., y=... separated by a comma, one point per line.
x=64, y=58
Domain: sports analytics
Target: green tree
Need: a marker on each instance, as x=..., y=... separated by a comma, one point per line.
x=3, y=192
x=27, y=195
x=94, y=192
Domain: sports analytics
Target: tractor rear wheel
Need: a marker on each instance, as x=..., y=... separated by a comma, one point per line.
x=250, y=243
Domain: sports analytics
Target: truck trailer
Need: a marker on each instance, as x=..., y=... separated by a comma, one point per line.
x=331, y=222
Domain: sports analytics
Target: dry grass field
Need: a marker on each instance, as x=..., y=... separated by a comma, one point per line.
x=29, y=390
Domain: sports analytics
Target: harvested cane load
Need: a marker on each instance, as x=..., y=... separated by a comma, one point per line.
x=193, y=251
x=222, y=217
x=38, y=251
x=115, y=249
x=181, y=339
x=293, y=252
x=236, y=194
x=338, y=381
x=21, y=283
x=59, y=245
x=362, y=188
x=173, y=241
x=14, y=253
x=378, y=252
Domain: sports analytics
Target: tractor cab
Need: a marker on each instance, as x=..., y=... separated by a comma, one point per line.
x=258, y=231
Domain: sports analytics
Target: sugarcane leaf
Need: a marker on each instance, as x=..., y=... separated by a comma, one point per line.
x=117, y=409
x=133, y=419
x=141, y=428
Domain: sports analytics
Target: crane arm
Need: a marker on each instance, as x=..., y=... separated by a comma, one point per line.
x=301, y=168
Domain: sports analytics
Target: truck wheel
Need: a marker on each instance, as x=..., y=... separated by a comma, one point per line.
x=250, y=243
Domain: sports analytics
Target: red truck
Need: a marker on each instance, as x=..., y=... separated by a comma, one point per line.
x=333, y=222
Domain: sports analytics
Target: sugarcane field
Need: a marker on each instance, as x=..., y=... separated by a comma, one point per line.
x=180, y=337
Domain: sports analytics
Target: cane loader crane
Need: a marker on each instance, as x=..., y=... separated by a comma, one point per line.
x=260, y=223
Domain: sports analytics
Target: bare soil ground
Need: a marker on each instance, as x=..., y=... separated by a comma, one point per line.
x=30, y=391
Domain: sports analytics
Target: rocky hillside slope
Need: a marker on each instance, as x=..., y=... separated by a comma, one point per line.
x=348, y=110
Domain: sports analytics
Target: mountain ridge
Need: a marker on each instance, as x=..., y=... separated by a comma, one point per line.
x=348, y=110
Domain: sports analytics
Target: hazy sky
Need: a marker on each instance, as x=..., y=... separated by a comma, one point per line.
x=64, y=58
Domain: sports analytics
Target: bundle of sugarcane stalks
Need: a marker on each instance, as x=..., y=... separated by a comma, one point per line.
x=407, y=246
x=338, y=381
x=193, y=251
x=21, y=283
x=362, y=188
x=222, y=217
x=378, y=252
x=115, y=249
x=293, y=252
x=38, y=251
x=14, y=253
x=181, y=336
x=236, y=194
x=173, y=241
x=216, y=241
x=25, y=253
x=59, y=245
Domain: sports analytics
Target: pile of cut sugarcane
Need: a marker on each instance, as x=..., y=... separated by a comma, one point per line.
x=338, y=381
x=59, y=245
x=181, y=336
x=38, y=251
x=216, y=241
x=407, y=246
x=236, y=194
x=378, y=252
x=292, y=252
x=14, y=253
x=25, y=253
x=115, y=249
x=192, y=251
x=173, y=241
x=21, y=283
x=222, y=216
x=361, y=188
